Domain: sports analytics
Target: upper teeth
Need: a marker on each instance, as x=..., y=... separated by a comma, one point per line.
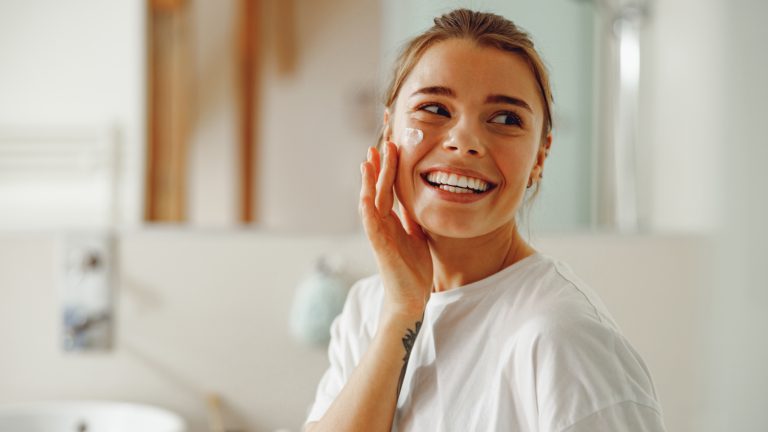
x=457, y=180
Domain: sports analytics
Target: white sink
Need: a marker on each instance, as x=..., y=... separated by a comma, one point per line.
x=88, y=416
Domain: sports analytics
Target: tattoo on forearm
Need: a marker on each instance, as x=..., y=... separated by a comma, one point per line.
x=408, y=341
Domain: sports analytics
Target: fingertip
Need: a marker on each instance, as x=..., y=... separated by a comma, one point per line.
x=395, y=147
x=365, y=171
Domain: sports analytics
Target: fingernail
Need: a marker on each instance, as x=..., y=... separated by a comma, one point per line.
x=370, y=153
x=362, y=168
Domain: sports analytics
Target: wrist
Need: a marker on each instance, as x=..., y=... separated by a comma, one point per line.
x=397, y=322
x=403, y=313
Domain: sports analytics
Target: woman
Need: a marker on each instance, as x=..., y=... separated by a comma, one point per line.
x=467, y=327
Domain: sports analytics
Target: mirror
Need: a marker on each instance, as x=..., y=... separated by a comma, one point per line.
x=321, y=71
x=309, y=97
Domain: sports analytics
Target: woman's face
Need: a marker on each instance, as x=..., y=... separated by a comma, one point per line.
x=482, y=116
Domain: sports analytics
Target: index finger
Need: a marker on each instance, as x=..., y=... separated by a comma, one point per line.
x=385, y=185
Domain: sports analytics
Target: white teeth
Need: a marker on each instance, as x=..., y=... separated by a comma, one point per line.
x=456, y=181
x=455, y=189
x=453, y=179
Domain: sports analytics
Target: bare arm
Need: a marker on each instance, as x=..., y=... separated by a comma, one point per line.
x=369, y=398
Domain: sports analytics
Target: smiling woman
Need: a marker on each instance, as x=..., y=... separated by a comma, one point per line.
x=467, y=326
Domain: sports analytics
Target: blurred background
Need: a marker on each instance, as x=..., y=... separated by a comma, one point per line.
x=179, y=184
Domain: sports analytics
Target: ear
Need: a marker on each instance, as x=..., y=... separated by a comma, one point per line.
x=541, y=156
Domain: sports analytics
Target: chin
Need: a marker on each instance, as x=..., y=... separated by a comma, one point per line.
x=452, y=227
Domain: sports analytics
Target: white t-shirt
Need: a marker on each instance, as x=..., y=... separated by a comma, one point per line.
x=530, y=348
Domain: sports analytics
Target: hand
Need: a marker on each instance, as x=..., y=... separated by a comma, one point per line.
x=401, y=248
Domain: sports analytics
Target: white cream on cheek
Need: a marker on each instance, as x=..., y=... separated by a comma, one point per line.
x=411, y=137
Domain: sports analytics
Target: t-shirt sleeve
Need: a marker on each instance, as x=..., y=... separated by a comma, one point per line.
x=624, y=416
x=344, y=351
x=589, y=378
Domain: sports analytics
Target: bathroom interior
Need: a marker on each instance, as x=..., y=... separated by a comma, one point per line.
x=179, y=183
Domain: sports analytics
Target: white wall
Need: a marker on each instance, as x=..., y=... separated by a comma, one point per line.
x=207, y=311
x=78, y=64
x=738, y=349
x=196, y=313
x=705, y=109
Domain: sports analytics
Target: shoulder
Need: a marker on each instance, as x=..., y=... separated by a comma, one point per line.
x=549, y=295
x=565, y=320
x=580, y=358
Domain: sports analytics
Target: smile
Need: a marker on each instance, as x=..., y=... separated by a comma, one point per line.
x=456, y=183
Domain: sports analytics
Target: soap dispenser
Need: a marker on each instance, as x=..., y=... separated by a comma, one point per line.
x=318, y=300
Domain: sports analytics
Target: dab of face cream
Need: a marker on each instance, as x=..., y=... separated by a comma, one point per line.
x=412, y=137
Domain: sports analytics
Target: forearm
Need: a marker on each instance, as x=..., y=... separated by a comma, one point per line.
x=369, y=398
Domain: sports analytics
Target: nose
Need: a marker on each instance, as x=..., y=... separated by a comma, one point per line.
x=462, y=140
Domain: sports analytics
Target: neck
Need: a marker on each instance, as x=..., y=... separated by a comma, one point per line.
x=460, y=261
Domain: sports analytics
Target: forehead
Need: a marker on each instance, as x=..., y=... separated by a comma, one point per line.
x=473, y=72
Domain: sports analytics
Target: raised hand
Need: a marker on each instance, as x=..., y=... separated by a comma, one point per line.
x=400, y=246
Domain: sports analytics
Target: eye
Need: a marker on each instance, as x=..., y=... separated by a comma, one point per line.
x=507, y=118
x=435, y=109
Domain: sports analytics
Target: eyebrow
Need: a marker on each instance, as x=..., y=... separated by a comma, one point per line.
x=435, y=90
x=499, y=98
x=494, y=98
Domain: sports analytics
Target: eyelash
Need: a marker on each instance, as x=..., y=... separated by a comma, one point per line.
x=422, y=107
x=517, y=121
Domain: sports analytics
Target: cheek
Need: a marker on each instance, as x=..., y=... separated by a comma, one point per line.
x=433, y=132
x=404, y=178
x=407, y=175
x=516, y=167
